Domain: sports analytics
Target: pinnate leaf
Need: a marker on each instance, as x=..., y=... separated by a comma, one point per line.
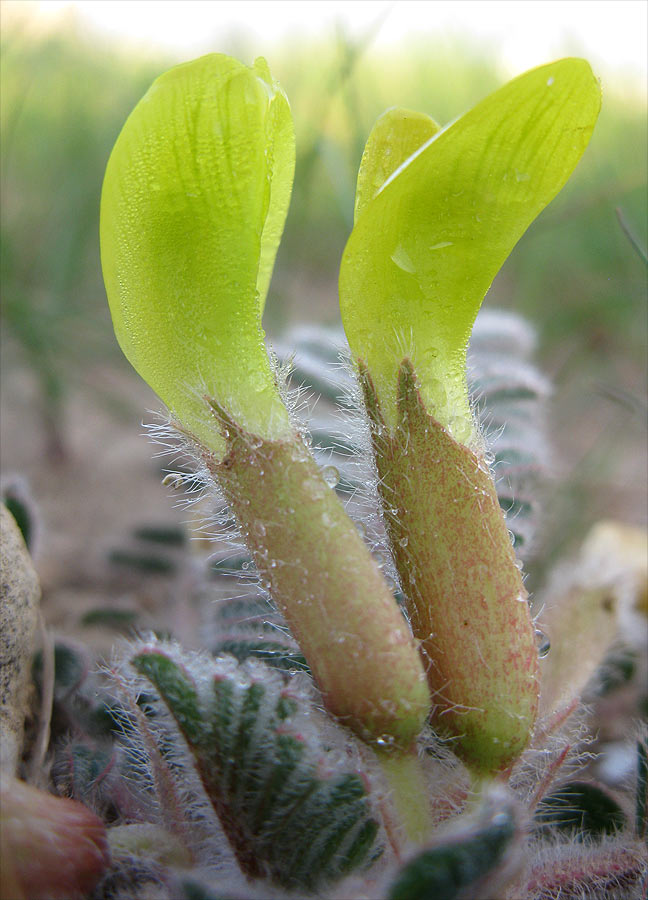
x=290, y=814
x=446, y=870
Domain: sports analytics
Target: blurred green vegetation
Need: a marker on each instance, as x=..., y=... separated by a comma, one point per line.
x=575, y=273
x=63, y=104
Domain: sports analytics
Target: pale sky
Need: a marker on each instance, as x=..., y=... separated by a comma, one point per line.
x=518, y=33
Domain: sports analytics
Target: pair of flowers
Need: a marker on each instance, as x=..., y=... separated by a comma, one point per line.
x=194, y=202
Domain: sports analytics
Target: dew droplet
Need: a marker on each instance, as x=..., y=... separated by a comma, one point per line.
x=172, y=480
x=404, y=541
x=331, y=476
x=501, y=819
x=391, y=584
x=543, y=643
x=401, y=258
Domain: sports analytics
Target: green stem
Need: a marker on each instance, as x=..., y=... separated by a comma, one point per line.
x=409, y=793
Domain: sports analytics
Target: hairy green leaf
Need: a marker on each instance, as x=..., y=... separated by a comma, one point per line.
x=581, y=808
x=641, y=807
x=449, y=868
x=288, y=812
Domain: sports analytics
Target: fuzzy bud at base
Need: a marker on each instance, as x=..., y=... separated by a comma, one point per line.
x=325, y=582
x=466, y=598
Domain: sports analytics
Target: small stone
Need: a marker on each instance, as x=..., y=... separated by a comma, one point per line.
x=19, y=596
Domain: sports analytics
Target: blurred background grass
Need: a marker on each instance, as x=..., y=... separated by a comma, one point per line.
x=576, y=274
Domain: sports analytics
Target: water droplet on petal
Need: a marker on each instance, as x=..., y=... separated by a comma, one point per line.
x=331, y=476
x=501, y=819
x=172, y=480
x=402, y=259
x=543, y=643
